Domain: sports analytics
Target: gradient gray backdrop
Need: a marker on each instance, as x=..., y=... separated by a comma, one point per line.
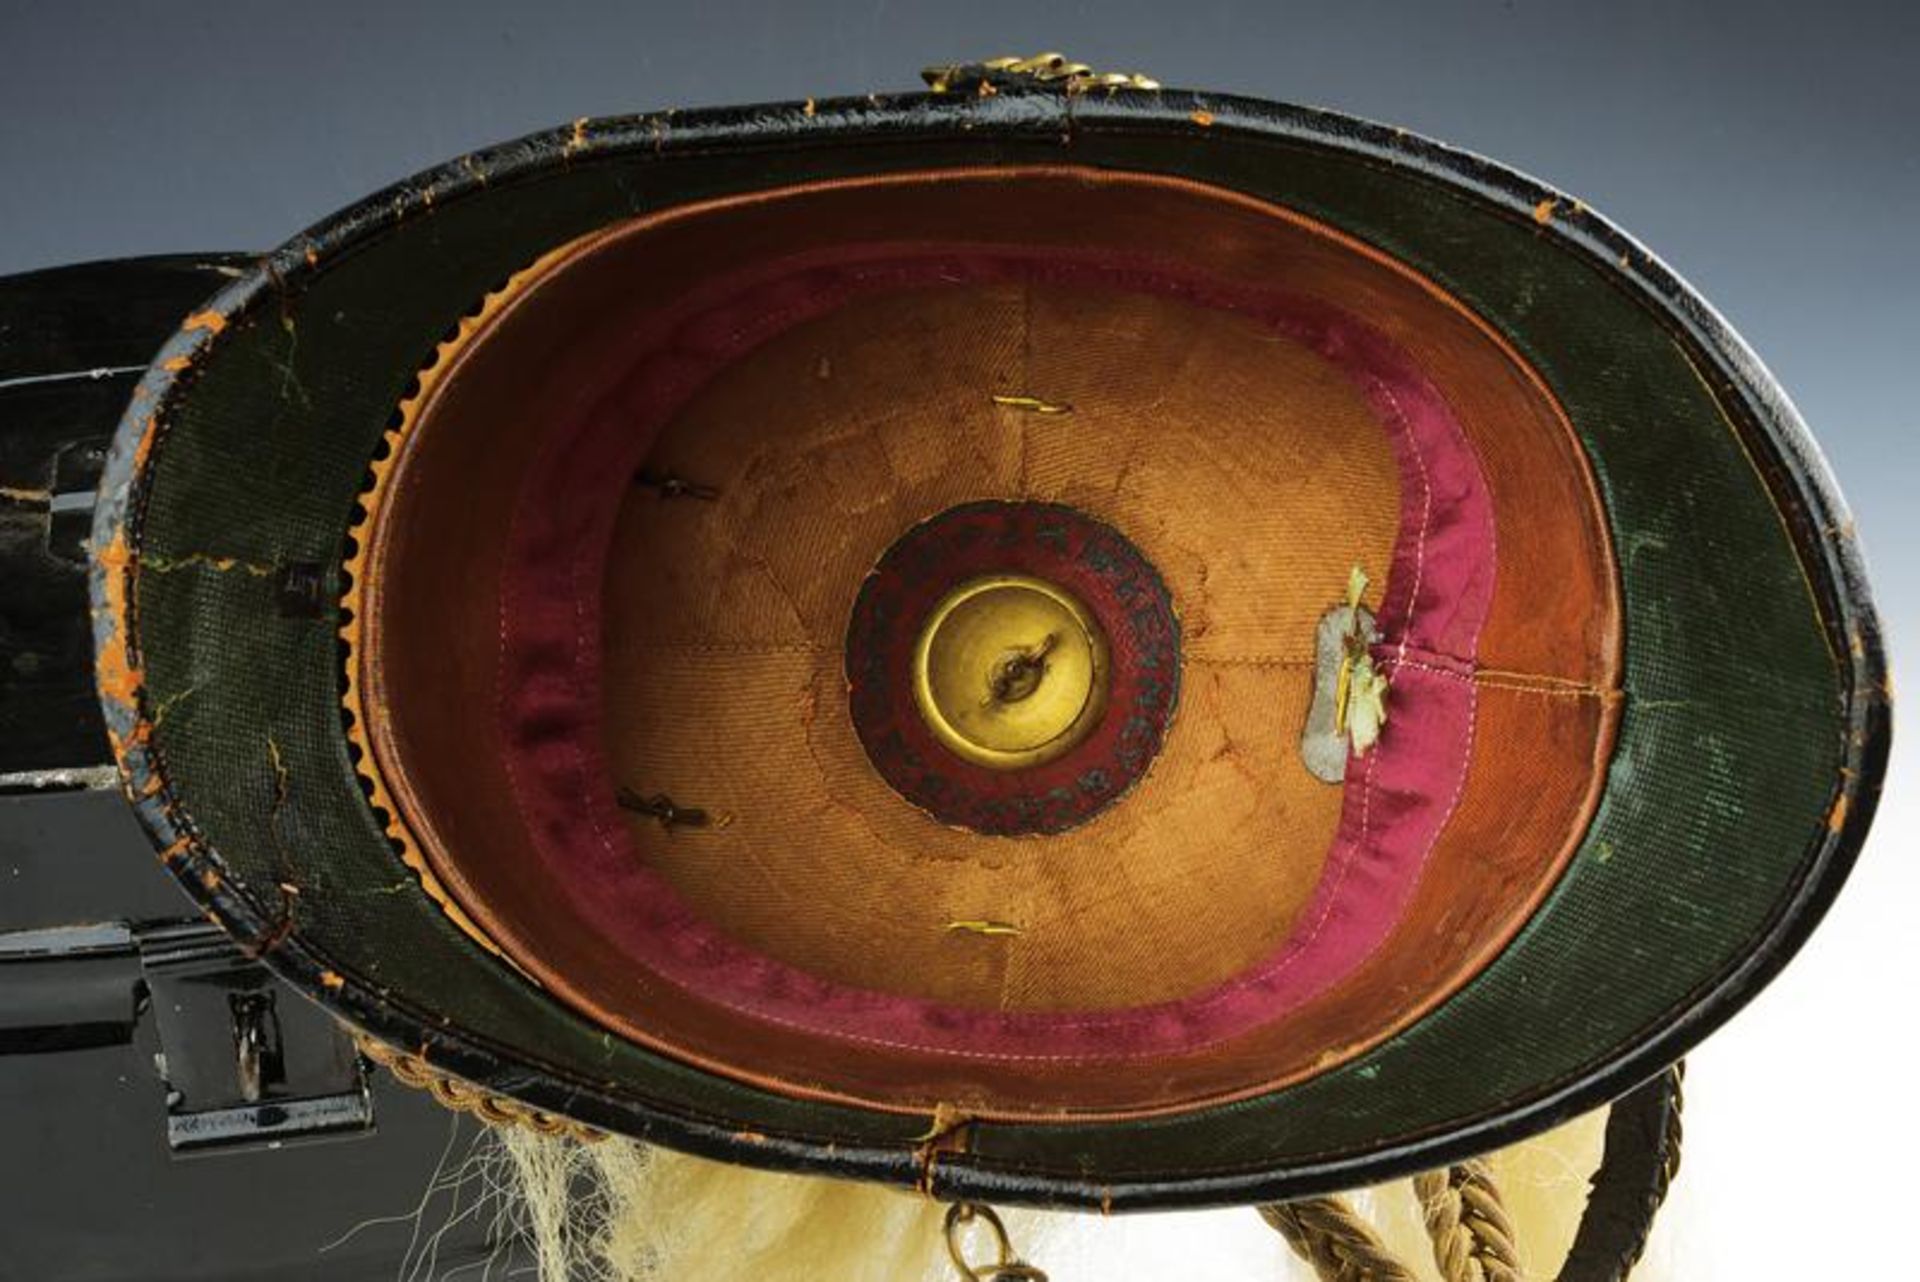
x=1767, y=151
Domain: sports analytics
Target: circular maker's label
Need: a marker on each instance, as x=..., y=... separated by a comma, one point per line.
x=1012, y=667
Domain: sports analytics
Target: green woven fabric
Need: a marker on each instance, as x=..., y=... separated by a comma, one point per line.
x=1735, y=726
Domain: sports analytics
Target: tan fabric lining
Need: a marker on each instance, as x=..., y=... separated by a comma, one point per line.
x=1552, y=638
x=1246, y=469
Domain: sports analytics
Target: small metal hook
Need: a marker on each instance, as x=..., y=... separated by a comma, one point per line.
x=1019, y=675
x=662, y=807
x=669, y=486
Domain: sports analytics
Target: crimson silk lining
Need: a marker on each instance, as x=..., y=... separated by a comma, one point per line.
x=1397, y=798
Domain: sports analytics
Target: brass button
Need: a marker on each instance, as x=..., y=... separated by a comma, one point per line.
x=1010, y=671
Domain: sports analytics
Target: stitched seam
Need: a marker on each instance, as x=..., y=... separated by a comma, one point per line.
x=1395, y=412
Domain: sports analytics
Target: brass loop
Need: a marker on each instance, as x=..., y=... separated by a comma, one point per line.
x=1006, y=1267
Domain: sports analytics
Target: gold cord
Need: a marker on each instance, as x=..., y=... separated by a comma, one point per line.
x=1325, y=1232
x=464, y=1097
x=1042, y=69
x=1466, y=1220
x=1472, y=1235
x=1468, y=1224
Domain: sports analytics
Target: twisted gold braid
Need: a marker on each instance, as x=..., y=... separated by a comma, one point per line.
x=1326, y=1233
x=464, y=1097
x=1468, y=1224
x=1054, y=69
x=1466, y=1220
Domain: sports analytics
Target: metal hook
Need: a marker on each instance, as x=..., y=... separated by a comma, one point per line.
x=669, y=486
x=671, y=815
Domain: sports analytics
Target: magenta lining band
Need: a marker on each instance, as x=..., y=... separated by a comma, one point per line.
x=1398, y=797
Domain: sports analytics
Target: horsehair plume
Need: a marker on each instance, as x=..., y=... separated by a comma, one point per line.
x=618, y=1211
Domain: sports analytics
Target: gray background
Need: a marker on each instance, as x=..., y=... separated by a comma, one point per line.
x=1767, y=151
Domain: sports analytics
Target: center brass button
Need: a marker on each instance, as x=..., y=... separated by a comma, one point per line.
x=1010, y=671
